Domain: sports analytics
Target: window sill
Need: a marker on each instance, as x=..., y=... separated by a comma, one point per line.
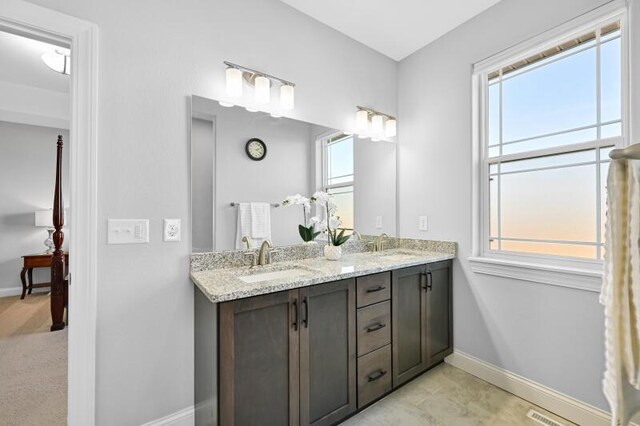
x=576, y=278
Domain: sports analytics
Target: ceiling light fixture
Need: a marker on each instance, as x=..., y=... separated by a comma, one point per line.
x=382, y=125
x=261, y=82
x=59, y=61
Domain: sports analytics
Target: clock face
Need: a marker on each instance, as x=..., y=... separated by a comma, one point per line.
x=256, y=149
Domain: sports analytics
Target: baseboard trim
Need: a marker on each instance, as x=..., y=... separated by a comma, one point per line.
x=563, y=405
x=17, y=291
x=184, y=417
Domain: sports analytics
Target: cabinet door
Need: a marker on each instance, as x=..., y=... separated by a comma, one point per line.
x=327, y=352
x=408, y=322
x=439, y=311
x=259, y=370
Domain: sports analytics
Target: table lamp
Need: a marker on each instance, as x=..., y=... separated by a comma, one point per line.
x=44, y=219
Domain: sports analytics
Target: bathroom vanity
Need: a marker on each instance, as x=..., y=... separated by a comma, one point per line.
x=312, y=341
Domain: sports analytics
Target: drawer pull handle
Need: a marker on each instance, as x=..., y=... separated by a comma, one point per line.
x=376, y=327
x=375, y=376
x=374, y=289
x=295, y=314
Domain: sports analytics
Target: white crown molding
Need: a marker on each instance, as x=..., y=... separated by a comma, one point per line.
x=579, y=279
x=551, y=400
x=184, y=417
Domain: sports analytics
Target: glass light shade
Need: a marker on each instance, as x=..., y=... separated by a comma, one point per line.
x=286, y=97
x=234, y=82
x=377, y=126
x=262, y=90
x=362, y=122
x=59, y=61
x=225, y=104
x=390, y=128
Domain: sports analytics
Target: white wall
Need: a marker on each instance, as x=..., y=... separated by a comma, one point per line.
x=27, y=181
x=153, y=54
x=33, y=105
x=551, y=335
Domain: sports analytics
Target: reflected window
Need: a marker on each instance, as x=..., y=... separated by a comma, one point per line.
x=338, y=172
x=550, y=121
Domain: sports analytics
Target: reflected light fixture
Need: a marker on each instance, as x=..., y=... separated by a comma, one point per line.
x=382, y=125
x=59, y=61
x=237, y=76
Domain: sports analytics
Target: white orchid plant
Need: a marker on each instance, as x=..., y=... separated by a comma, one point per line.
x=331, y=222
x=307, y=232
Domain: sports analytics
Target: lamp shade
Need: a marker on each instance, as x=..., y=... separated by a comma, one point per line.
x=377, y=126
x=44, y=218
x=234, y=82
x=390, y=128
x=286, y=97
x=59, y=61
x=262, y=90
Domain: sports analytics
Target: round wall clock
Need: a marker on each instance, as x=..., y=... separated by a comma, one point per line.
x=256, y=149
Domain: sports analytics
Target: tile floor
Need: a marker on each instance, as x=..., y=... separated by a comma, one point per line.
x=448, y=396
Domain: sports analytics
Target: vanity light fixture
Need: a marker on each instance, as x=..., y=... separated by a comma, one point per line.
x=382, y=125
x=261, y=82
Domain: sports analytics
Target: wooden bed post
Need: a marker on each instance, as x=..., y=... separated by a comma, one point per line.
x=58, y=284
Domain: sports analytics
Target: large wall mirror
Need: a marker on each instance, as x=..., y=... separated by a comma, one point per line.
x=285, y=157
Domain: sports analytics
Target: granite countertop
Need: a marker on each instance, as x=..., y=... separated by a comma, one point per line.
x=224, y=284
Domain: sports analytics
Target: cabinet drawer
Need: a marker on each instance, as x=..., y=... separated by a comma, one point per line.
x=374, y=375
x=373, y=289
x=374, y=327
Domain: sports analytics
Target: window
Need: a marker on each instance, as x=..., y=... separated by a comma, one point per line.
x=337, y=176
x=548, y=122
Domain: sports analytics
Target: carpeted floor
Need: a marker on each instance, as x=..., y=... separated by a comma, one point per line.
x=33, y=364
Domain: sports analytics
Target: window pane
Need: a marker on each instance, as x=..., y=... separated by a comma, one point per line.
x=563, y=139
x=494, y=151
x=611, y=80
x=343, y=197
x=549, y=161
x=493, y=206
x=494, y=114
x=558, y=96
x=611, y=131
x=550, y=248
x=604, y=172
x=340, y=161
x=557, y=204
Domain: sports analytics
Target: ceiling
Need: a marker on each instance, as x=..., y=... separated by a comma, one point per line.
x=22, y=64
x=394, y=28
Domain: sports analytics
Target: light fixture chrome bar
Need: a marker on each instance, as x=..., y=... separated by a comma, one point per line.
x=631, y=153
x=374, y=112
x=260, y=73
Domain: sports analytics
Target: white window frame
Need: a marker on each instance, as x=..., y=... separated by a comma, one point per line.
x=324, y=141
x=585, y=274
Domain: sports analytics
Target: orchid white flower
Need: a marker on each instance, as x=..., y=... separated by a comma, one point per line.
x=334, y=222
x=320, y=197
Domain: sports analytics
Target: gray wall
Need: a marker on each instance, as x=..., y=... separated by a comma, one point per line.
x=27, y=180
x=551, y=335
x=153, y=54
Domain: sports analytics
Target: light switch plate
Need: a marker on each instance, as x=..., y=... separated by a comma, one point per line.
x=172, y=230
x=378, y=222
x=422, y=223
x=127, y=231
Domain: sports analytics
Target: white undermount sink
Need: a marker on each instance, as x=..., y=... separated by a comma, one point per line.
x=274, y=275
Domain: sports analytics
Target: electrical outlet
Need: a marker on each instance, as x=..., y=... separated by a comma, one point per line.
x=127, y=231
x=422, y=223
x=378, y=222
x=172, y=230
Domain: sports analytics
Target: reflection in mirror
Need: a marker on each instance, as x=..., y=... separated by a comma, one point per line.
x=245, y=164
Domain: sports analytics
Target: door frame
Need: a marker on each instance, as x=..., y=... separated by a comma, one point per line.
x=37, y=22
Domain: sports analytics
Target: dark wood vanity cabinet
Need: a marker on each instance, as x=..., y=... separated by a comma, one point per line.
x=422, y=318
x=289, y=358
x=315, y=355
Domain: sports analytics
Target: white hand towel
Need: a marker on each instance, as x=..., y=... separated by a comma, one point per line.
x=243, y=224
x=621, y=292
x=261, y=221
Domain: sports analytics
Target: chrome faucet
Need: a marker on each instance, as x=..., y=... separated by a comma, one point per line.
x=380, y=242
x=247, y=241
x=357, y=235
x=266, y=250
